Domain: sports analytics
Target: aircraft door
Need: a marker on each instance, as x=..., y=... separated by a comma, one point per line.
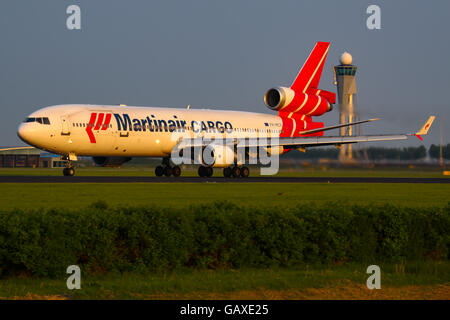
x=65, y=126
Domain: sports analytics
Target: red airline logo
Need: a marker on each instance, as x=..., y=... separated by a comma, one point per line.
x=95, y=123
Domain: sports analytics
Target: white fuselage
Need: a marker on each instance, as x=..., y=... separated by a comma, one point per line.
x=95, y=130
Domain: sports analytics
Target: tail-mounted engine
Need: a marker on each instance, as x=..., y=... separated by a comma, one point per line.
x=287, y=100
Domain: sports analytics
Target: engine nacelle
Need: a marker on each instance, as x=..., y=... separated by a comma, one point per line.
x=287, y=100
x=218, y=156
x=278, y=98
x=110, y=161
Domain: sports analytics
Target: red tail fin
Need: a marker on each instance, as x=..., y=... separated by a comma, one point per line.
x=309, y=75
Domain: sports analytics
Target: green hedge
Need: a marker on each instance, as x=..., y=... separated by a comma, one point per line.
x=218, y=235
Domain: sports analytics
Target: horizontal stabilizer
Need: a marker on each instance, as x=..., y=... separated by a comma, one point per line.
x=336, y=126
x=330, y=96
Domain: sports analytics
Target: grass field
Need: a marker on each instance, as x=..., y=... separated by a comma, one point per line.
x=312, y=171
x=422, y=280
x=44, y=195
x=410, y=281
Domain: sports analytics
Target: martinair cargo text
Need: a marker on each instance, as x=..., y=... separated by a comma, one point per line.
x=113, y=135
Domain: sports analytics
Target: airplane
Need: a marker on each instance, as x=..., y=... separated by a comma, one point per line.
x=112, y=135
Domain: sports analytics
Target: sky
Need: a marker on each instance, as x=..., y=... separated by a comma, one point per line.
x=224, y=55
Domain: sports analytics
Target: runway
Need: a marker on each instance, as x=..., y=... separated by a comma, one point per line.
x=137, y=179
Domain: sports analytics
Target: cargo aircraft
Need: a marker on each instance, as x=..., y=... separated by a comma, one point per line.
x=112, y=135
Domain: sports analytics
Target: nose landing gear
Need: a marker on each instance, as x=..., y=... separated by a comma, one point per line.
x=69, y=170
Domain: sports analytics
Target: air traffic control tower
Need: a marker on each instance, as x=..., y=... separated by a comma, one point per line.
x=346, y=89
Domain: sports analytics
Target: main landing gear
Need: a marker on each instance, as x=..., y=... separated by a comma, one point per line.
x=236, y=172
x=229, y=172
x=166, y=170
x=205, y=172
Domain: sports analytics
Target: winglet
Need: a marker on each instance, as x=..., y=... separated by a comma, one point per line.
x=424, y=130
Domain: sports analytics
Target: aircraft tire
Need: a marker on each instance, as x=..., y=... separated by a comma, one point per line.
x=159, y=171
x=209, y=172
x=176, y=171
x=227, y=172
x=245, y=172
x=236, y=172
x=202, y=171
x=69, y=172
x=168, y=171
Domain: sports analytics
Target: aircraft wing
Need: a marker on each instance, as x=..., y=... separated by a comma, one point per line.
x=299, y=142
x=292, y=143
x=16, y=148
x=303, y=142
x=323, y=141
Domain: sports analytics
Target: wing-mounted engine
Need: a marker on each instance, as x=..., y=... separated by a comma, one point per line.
x=110, y=161
x=220, y=156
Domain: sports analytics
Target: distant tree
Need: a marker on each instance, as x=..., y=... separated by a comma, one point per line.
x=446, y=151
x=379, y=153
x=435, y=151
x=314, y=153
x=413, y=153
x=421, y=152
x=408, y=153
x=374, y=153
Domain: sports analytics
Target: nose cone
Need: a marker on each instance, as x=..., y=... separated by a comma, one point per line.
x=26, y=132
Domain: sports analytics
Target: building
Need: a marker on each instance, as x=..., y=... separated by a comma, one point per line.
x=346, y=87
x=28, y=157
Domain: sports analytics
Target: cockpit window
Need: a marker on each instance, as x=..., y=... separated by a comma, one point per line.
x=43, y=120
